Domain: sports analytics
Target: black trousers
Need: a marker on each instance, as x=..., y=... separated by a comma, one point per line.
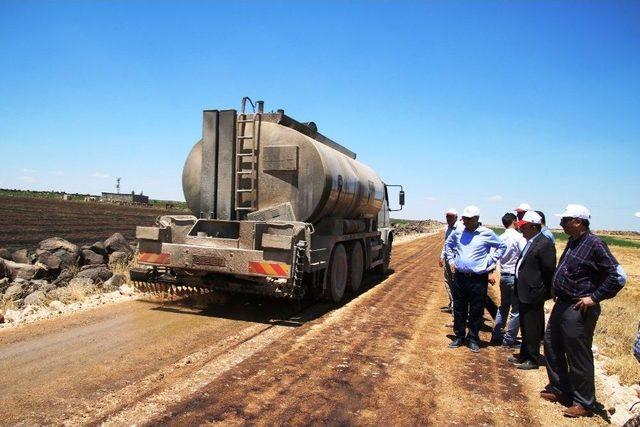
x=567, y=349
x=469, y=294
x=532, y=326
x=491, y=307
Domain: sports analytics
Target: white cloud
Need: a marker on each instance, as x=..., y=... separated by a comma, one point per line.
x=27, y=178
x=100, y=175
x=494, y=199
x=25, y=170
x=57, y=173
x=431, y=199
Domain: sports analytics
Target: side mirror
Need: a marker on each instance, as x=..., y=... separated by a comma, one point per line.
x=400, y=196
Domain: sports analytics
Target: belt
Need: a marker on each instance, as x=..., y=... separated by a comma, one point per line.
x=507, y=274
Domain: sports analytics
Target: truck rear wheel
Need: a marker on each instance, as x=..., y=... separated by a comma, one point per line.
x=336, y=275
x=356, y=267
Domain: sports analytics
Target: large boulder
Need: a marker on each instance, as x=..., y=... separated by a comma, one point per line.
x=55, y=243
x=51, y=261
x=36, y=298
x=117, y=243
x=89, y=257
x=24, y=271
x=21, y=256
x=67, y=252
x=97, y=273
x=99, y=248
x=5, y=254
x=4, y=270
x=67, y=259
x=120, y=257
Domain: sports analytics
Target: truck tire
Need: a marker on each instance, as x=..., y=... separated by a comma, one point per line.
x=336, y=275
x=356, y=266
x=384, y=267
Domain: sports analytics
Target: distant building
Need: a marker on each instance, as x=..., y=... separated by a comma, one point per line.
x=125, y=198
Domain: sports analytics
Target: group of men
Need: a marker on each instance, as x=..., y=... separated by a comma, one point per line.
x=525, y=257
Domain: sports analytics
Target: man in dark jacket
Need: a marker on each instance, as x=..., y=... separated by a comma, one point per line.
x=586, y=275
x=534, y=274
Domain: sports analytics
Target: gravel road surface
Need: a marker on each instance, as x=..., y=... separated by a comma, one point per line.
x=381, y=358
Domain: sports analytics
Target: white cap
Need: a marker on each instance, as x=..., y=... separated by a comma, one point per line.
x=575, y=211
x=451, y=212
x=523, y=207
x=530, y=217
x=637, y=214
x=470, y=212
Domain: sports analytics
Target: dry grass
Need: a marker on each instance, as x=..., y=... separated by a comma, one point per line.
x=618, y=324
x=122, y=268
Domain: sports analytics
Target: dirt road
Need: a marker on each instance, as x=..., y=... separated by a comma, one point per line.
x=379, y=359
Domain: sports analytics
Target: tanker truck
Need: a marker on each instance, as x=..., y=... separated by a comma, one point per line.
x=278, y=209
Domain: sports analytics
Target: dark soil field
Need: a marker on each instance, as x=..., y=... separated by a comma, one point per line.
x=26, y=221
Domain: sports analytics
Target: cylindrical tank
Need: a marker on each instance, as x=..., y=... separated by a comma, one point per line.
x=316, y=179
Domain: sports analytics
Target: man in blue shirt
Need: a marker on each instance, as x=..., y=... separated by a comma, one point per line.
x=470, y=257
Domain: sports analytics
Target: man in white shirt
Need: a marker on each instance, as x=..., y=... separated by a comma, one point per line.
x=508, y=312
x=452, y=223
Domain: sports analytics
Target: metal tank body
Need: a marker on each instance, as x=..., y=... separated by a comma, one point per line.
x=316, y=179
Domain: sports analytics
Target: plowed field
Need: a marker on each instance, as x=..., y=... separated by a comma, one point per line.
x=26, y=221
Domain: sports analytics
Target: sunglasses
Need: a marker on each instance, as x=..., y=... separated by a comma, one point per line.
x=565, y=219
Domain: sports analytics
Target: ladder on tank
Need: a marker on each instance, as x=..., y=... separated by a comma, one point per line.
x=247, y=145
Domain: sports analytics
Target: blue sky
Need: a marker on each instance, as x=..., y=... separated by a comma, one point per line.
x=486, y=103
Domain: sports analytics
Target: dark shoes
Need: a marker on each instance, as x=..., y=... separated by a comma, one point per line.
x=473, y=345
x=552, y=396
x=456, y=342
x=512, y=346
x=577, y=411
x=527, y=365
x=515, y=360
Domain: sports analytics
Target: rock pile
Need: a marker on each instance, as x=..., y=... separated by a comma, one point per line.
x=407, y=227
x=59, y=272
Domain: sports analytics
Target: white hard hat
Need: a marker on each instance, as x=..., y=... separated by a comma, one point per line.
x=637, y=214
x=523, y=207
x=575, y=211
x=451, y=211
x=470, y=211
x=530, y=217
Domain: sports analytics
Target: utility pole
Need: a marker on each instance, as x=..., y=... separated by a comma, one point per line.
x=118, y=185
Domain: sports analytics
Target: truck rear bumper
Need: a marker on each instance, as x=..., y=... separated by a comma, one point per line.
x=234, y=261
